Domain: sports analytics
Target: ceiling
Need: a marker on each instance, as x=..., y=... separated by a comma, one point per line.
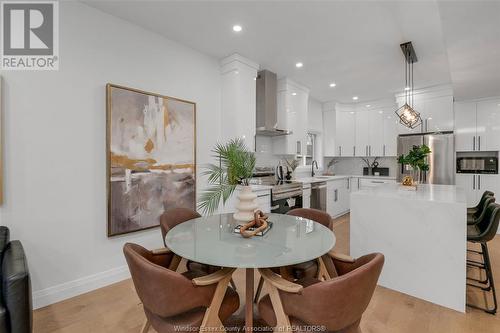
x=352, y=43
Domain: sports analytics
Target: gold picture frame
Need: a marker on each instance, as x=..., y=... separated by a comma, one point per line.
x=151, y=157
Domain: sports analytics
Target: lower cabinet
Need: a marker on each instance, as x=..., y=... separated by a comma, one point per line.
x=370, y=182
x=337, y=197
x=306, y=196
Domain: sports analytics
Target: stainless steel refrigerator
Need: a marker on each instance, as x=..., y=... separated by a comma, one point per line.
x=441, y=159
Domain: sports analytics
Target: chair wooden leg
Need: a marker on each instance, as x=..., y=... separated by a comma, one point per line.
x=323, y=272
x=145, y=326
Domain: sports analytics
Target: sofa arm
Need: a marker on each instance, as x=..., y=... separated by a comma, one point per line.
x=16, y=288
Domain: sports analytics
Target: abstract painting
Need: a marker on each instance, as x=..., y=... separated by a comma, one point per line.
x=151, y=149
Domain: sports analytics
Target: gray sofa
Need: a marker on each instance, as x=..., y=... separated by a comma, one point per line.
x=15, y=292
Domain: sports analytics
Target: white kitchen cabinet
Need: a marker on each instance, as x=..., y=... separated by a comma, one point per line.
x=475, y=185
x=465, y=126
x=365, y=183
x=354, y=183
x=329, y=129
x=293, y=102
x=369, y=127
x=306, y=196
x=337, y=197
x=346, y=133
x=488, y=125
x=436, y=113
x=390, y=134
x=477, y=125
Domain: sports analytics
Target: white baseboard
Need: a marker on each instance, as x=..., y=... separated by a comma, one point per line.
x=80, y=286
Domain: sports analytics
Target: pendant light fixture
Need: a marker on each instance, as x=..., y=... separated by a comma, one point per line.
x=407, y=114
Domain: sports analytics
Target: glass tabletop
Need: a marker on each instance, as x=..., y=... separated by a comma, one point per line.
x=212, y=240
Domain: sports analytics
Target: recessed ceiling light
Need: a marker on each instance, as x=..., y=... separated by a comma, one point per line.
x=355, y=98
x=351, y=112
x=381, y=112
x=367, y=105
x=430, y=118
x=333, y=84
x=237, y=28
x=294, y=94
x=407, y=88
x=299, y=65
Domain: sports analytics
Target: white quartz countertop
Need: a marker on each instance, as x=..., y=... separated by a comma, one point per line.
x=373, y=177
x=424, y=192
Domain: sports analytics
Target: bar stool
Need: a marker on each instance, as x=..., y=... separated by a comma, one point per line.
x=473, y=210
x=481, y=233
x=479, y=214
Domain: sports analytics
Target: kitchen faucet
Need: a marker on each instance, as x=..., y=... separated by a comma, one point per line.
x=312, y=167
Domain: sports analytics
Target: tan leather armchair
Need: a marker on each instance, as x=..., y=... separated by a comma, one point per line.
x=175, y=302
x=334, y=305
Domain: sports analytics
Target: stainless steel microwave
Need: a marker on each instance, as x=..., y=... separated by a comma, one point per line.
x=486, y=165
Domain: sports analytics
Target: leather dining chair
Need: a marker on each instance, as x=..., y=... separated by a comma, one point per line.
x=175, y=302
x=478, y=215
x=334, y=305
x=171, y=218
x=309, y=268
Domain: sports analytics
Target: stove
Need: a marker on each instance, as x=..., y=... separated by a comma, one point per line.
x=285, y=194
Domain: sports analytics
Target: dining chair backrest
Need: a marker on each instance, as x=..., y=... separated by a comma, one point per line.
x=340, y=302
x=483, y=197
x=172, y=217
x=488, y=225
x=313, y=214
x=162, y=291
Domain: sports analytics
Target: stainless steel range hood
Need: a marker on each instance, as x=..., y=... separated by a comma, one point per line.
x=267, y=105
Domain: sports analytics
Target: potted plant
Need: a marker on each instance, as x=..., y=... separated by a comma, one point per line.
x=417, y=160
x=236, y=165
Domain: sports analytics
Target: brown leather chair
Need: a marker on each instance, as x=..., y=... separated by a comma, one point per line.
x=172, y=217
x=334, y=305
x=309, y=268
x=175, y=302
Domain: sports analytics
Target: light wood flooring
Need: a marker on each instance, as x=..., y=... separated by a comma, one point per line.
x=116, y=308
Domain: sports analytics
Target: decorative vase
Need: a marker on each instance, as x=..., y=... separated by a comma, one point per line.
x=246, y=206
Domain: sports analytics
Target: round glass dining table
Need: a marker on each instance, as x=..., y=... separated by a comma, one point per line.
x=212, y=240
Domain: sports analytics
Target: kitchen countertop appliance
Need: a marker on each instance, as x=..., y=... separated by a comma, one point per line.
x=441, y=159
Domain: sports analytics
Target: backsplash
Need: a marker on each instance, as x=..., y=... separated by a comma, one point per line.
x=355, y=165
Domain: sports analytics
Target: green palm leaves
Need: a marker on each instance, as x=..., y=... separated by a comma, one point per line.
x=236, y=165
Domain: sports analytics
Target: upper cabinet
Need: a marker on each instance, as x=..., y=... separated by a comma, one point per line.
x=362, y=131
x=345, y=137
x=238, y=99
x=293, y=100
x=435, y=106
x=329, y=129
x=477, y=125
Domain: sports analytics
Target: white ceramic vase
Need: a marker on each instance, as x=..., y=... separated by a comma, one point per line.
x=246, y=206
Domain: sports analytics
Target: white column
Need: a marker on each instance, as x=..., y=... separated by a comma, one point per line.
x=239, y=99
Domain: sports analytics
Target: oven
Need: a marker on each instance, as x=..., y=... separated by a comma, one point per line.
x=284, y=200
x=477, y=164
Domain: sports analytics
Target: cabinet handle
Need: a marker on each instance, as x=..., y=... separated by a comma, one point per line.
x=378, y=182
x=370, y=151
x=474, y=143
x=479, y=143
x=336, y=195
x=473, y=182
x=348, y=183
x=340, y=151
x=353, y=150
x=384, y=150
x=479, y=182
x=358, y=183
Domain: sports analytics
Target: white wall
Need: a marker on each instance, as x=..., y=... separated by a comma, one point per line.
x=55, y=167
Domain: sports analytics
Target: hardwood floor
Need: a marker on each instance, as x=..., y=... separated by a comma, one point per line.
x=116, y=308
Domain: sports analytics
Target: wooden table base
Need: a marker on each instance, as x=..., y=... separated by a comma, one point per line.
x=249, y=290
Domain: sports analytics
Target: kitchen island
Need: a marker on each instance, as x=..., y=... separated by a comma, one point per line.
x=422, y=235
